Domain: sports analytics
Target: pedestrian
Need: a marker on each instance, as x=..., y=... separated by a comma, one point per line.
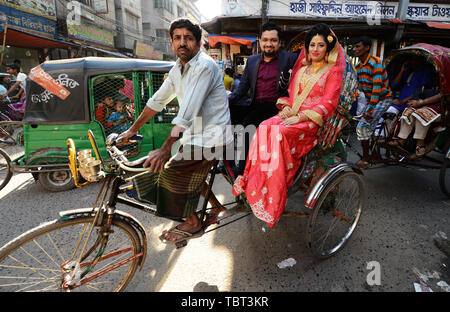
x=228, y=80
x=374, y=82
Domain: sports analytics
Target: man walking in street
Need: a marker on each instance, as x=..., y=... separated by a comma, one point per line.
x=175, y=183
x=265, y=79
x=373, y=80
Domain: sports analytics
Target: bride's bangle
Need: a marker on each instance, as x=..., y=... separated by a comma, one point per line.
x=299, y=116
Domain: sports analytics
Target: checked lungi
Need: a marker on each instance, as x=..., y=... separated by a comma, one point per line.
x=176, y=190
x=363, y=130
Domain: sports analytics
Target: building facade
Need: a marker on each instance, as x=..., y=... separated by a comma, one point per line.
x=129, y=25
x=39, y=30
x=157, y=16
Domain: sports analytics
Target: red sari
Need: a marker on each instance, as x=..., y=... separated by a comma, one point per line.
x=276, y=150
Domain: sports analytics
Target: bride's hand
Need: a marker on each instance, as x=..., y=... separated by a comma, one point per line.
x=291, y=120
x=285, y=112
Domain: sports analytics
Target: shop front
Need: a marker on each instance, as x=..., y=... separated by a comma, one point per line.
x=231, y=50
x=28, y=31
x=421, y=21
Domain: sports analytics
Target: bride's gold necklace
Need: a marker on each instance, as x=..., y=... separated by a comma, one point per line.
x=316, y=66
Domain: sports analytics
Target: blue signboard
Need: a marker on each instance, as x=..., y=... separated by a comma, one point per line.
x=28, y=22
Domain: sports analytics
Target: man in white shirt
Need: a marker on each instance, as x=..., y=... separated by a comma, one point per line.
x=175, y=184
x=21, y=80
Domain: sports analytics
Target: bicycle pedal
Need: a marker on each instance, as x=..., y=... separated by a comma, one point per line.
x=181, y=244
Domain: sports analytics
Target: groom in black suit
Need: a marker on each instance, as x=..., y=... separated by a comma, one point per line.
x=265, y=79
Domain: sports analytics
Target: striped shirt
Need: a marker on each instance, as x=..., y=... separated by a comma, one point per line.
x=373, y=80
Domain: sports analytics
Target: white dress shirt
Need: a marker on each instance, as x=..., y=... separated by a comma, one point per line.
x=201, y=94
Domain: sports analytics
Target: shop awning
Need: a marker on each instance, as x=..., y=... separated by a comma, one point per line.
x=20, y=39
x=112, y=53
x=214, y=39
x=438, y=25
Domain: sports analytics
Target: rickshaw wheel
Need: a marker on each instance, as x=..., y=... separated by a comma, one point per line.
x=56, y=181
x=5, y=169
x=335, y=215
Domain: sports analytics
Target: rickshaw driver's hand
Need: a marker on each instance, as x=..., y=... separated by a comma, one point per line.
x=124, y=136
x=158, y=158
x=367, y=115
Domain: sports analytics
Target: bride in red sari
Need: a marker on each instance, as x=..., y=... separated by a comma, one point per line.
x=281, y=141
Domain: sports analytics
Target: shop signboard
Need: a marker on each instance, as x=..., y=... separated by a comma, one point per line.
x=358, y=9
x=27, y=22
x=143, y=50
x=91, y=34
x=43, y=8
x=100, y=6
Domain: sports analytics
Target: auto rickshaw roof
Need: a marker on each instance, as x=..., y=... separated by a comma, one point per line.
x=436, y=55
x=98, y=65
x=57, y=91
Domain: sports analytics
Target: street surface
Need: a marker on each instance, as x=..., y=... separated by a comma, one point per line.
x=404, y=209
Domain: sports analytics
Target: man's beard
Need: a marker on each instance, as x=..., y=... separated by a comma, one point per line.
x=270, y=54
x=187, y=54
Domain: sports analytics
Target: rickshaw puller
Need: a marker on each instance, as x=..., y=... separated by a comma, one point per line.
x=175, y=184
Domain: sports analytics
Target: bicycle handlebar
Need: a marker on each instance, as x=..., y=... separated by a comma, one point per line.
x=358, y=118
x=120, y=157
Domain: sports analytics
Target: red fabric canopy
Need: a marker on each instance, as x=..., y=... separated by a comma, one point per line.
x=436, y=54
x=438, y=25
x=441, y=56
x=20, y=39
x=230, y=39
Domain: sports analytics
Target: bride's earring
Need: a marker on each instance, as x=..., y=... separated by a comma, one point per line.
x=326, y=58
x=309, y=58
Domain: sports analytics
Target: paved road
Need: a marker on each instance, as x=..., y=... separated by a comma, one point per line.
x=405, y=208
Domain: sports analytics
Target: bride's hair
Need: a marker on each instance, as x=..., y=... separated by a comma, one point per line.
x=323, y=30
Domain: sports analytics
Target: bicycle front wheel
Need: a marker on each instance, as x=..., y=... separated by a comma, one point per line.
x=335, y=215
x=5, y=169
x=34, y=260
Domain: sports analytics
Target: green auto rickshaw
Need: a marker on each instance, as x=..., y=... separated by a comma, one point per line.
x=67, y=97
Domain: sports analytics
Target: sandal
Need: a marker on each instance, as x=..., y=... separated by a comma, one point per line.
x=185, y=235
x=420, y=150
x=362, y=164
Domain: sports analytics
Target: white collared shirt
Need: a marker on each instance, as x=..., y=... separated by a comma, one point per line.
x=201, y=94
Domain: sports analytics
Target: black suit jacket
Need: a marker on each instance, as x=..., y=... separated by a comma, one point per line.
x=286, y=61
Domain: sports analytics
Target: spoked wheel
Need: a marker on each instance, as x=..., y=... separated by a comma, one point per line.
x=6, y=131
x=444, y=177
x=34, y=260
x=5, y=169
x=336, y=214
x=57, y=181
